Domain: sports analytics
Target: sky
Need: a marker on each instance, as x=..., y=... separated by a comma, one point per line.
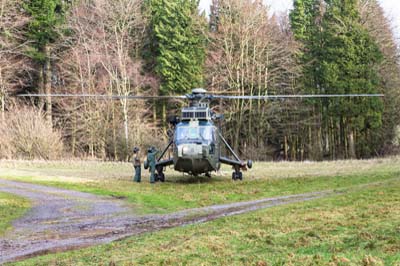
x=391, y=7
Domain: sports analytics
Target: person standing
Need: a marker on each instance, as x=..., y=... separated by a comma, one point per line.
x=137, y=165
x=151, y=162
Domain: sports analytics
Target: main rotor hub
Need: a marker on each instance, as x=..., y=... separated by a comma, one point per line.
x=198, y=108
x=198, y=91
x=199, y=98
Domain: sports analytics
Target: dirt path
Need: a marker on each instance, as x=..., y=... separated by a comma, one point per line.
x=63, y=219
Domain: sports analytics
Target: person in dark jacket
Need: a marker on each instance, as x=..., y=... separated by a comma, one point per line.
x=137, y=165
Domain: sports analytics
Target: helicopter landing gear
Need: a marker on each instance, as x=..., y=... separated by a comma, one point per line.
x=159, y=176
x=237, y=175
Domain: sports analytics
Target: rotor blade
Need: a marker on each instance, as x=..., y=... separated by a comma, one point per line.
x=102, y=96
x=241, y=97
x=288, y=96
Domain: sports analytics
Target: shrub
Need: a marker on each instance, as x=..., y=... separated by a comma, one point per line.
x=141, y=135
x=25, y=133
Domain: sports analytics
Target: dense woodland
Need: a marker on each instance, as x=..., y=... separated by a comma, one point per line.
x=166, y=47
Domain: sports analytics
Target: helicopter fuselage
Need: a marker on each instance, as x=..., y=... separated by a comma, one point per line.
x=197, y=142
x=196, y=147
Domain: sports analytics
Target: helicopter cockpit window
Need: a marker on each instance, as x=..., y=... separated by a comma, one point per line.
x=206, y=133
x=202, y=133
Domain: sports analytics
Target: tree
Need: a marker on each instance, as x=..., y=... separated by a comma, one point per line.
x=14, y=65
x=305, y=21
x=379, y=27
x=179, y=46
x=102, y=56
x=339, y=57
x=349, y=64
x=46, y=16
x=250, y=54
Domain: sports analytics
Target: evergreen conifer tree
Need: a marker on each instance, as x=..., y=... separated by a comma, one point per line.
x=178, y=44
x=302, y=19
x=338, y=57
x=349, y=63
x=305, y=19
x=46, y=16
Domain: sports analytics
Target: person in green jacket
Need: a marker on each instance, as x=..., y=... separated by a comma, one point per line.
x=151, y=162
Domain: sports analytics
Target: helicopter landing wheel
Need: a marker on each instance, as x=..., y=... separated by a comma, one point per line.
x=237, y=176
x=156, y=178
x=161, y=177
x=240, y=176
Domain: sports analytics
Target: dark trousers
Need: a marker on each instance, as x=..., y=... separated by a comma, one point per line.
x=138, y=173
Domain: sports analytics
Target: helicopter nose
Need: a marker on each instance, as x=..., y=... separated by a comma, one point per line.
x=190, y=150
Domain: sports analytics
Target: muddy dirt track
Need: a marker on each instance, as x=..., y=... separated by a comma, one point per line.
x=63, y=219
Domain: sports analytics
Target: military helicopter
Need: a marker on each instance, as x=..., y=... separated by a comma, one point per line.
x=196, y=140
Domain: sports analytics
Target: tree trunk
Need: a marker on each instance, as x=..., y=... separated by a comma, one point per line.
x=286, y=148
x=114, y=132
x=2, y=96
x=237, y=132
x=3, y=103
x=74, y=131
x=293, y=147
x=164, y=116
x=41, y=89
x=3, y=106
x=320, y=145
x=154, y=113
x=47, y=83
x=126, y=125
x=352, y=149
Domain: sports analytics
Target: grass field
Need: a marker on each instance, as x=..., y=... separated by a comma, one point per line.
x=11, y=207
x=360, y=227
x=180, y=192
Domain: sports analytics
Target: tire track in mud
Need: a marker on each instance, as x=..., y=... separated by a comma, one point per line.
x=62, y=220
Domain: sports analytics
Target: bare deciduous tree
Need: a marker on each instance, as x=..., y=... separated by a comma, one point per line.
x=14, y=65
x=103, y=56
x=250, y=54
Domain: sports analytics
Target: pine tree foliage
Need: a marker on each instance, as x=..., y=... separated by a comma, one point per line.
x=302, y=19
x=340, y=57
x=380, y=29
x=178, y=44
x=45, y=15
x=350, y=61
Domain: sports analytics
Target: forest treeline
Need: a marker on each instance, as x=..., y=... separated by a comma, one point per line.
x=167, y=47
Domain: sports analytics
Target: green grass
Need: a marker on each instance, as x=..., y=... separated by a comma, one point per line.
x=361, y=227
x=265, y=180
x=11, y=208
x=358, y=228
